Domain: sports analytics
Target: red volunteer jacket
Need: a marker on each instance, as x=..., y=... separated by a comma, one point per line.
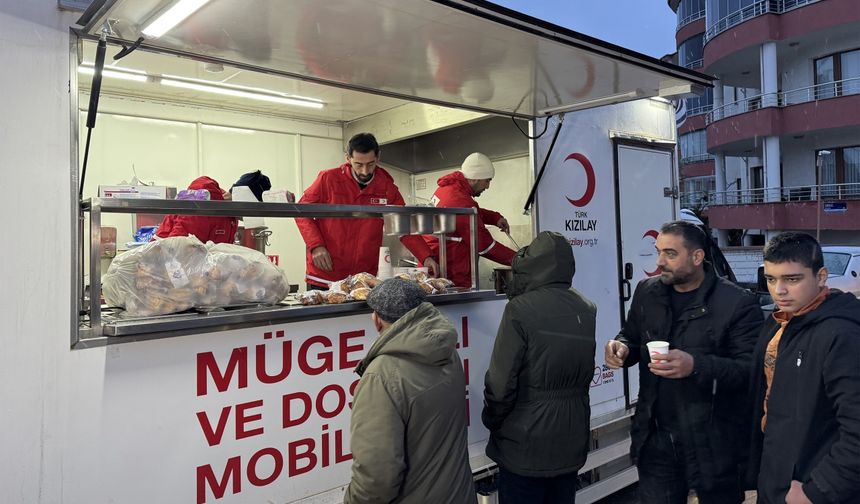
x=454, y=192
x=205, y=228
x=352, y=243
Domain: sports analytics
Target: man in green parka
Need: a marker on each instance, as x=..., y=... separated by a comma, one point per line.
x=408, y=426
x=536, y=401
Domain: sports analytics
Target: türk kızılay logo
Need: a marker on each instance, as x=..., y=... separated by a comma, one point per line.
x=584, y=227
x=590, y=180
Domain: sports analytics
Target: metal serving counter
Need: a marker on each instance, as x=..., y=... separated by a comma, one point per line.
x=101, y=326
x=119, y=329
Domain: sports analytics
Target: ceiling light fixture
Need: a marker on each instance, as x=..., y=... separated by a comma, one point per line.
x=172, y=17
x=115, y=73
x=240, y=92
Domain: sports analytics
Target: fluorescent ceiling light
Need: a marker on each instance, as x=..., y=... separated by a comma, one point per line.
x=596, y=102
x=172, y=17
x=115, y=73
x=240, y=92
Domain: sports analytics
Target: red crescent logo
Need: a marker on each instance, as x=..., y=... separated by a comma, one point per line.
x=589, y=177
x=653, y=234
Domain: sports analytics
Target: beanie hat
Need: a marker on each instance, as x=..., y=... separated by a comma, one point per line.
x=395, y=297
x=255, y=181
x=477, y=166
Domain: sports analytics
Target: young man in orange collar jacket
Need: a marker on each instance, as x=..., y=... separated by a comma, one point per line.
x=806, y=383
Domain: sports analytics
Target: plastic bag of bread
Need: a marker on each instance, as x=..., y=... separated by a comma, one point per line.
x=362, y=280
x=311, y=297
x=241, y=275
x=440, y=284
x=360, y=294
x=158, y=278
x=335, y=297
x=340, y=286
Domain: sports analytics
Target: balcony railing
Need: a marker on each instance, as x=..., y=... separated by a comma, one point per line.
x=692, y=17
x=846, y=191
x=751, y=11
x=821, y=91
x=794, y=97
x=697, y=63
x=704, y=109
x=696, y=158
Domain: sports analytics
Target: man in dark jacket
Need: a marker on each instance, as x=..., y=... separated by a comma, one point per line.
x=687, y=431
x=408, y=426
x=806, y=383
x=536, y=390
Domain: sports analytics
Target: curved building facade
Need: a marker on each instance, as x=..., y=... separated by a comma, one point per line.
x=781, y=128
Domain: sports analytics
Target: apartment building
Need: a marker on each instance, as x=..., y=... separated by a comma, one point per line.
x=775, y=145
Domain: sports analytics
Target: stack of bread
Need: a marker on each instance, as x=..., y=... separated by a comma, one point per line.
x=179, y=273
x=357, y=287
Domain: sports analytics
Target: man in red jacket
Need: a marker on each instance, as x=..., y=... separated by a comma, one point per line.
x=337, y=248
x=459, y=190
x=205, y=228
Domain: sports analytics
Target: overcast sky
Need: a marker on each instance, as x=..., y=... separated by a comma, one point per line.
x=646, y=26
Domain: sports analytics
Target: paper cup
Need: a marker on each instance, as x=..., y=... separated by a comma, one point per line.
x=384, y=269
x=658, y=348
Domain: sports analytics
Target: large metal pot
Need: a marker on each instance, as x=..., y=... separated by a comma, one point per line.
x=254, y=238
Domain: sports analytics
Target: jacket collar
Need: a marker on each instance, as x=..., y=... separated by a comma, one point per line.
x=698, y=306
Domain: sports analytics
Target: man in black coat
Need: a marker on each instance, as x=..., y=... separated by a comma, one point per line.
x=536, y=390
x=689, y=424
x=806, y=383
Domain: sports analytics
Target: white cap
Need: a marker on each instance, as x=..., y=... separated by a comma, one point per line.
x=477, y=166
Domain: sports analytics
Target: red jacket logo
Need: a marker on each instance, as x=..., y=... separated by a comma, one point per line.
x=590, y=180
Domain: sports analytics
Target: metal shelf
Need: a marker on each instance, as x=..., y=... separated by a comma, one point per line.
x=159, y=327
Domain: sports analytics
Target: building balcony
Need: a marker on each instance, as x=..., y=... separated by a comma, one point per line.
x=695, y=27
x=701, y=168
x=732, y=44
x=692, y=17
x=754, y=10
x=797, y=208
x=696, y=159
x=737, y=127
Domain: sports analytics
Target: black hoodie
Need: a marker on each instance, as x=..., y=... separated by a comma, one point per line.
x=536, y=389
x=813, y=422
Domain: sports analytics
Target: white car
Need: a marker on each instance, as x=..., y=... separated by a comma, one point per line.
x=843, y=266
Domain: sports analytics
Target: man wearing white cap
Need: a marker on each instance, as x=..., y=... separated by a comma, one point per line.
x=459, y=190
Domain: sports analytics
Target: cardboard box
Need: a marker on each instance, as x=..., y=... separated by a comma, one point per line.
x=137, y=192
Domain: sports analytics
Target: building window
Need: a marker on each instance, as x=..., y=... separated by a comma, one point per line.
x=691, y=51
x=701, y=104
x=840, y=172
x=698, y=191
x=694, y=147
x=837, y=75
x=689, y=11
x=722, y=14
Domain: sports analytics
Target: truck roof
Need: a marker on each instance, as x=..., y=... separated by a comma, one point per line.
x=469, y=54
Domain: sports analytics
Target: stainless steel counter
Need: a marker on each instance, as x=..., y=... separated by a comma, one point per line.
x=98, y=329
x=117, y=329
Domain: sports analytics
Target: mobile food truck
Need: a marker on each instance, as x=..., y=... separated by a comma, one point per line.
x=252, y=403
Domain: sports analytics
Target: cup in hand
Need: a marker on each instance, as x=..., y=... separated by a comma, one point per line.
x=657, y=348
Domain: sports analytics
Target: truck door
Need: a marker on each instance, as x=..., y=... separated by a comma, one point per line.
x=645, y=176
